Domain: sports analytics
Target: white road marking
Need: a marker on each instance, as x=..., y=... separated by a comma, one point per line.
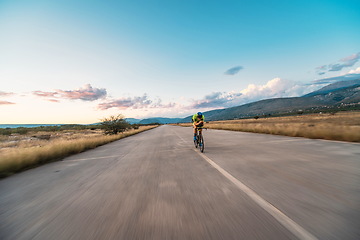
x=180, y=136
x=284, y=220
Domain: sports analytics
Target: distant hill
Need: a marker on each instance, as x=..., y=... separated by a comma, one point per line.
x=160, y=120
x=333, y=87
x=333, y=95
x=132, y=120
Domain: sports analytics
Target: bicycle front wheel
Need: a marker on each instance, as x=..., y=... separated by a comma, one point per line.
x=196, y=143
x=201, y=143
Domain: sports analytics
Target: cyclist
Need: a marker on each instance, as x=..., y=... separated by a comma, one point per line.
x=198, y=122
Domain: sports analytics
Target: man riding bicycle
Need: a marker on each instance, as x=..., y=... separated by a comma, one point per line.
x=198, y=122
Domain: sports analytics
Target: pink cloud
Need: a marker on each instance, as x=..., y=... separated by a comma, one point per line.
x=45, y=94
x=86, y=93
x=6, y=103
x=53, y=100
x=5, y=94
x=134, y=103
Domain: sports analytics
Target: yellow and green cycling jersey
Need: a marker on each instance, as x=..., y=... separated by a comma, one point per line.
x=195, y=118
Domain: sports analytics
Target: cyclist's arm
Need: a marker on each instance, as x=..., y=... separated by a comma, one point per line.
x=202, y=120
x=199, y=123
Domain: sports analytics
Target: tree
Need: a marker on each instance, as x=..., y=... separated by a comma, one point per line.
x=114, y=124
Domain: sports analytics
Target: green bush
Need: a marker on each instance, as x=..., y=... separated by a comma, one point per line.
x=114, y=124
x=5, y=131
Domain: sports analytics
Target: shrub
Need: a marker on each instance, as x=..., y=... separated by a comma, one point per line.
x=114, y=124
x=5, y=131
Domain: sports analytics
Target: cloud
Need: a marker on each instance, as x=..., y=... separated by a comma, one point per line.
x=125, y=103
x=355, y=71
x=134, y=103
x=354, y=75
x=45, y=94
x=342, y=63
x=352, y=59
x=234, y=70
x=5, y=94
x=158, y=104
x=86, y=93
x=275, y=88
x=216, y=99
x=53, y=100
x=6, y=103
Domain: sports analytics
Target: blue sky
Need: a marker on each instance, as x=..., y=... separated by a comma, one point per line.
x=81, y=61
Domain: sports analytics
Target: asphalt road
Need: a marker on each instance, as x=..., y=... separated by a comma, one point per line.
x=155, y=185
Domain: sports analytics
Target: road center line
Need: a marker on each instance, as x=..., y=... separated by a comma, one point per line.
x=180, y=136
x=284, y=220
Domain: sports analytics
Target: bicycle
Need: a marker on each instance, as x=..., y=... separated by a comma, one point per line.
x=199, y=141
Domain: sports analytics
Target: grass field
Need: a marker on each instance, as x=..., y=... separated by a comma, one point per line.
x=342, y=126
x=20, y=152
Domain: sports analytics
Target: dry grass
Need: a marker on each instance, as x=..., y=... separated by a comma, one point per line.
x=18, y=153
x=343, y=126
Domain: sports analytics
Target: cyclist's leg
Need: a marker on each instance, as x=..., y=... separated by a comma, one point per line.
x=195, y=132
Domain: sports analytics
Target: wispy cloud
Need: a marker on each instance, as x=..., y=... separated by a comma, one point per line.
x=142, y=102
x=342, y=63
x=86, y=93
x=159, y=104
x=6, y=103
x=233, y=70
x=5, y=94
x=53, y=100
x=45, y=94
x=346, y=77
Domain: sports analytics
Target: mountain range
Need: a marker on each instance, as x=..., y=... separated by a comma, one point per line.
x=336, y=95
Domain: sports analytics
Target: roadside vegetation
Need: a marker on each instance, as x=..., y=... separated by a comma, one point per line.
x=31, y=147
x=114, y=124
x=59, y=128
x=341, y=126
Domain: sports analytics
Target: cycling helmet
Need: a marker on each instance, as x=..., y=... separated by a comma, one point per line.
x=199, y=114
